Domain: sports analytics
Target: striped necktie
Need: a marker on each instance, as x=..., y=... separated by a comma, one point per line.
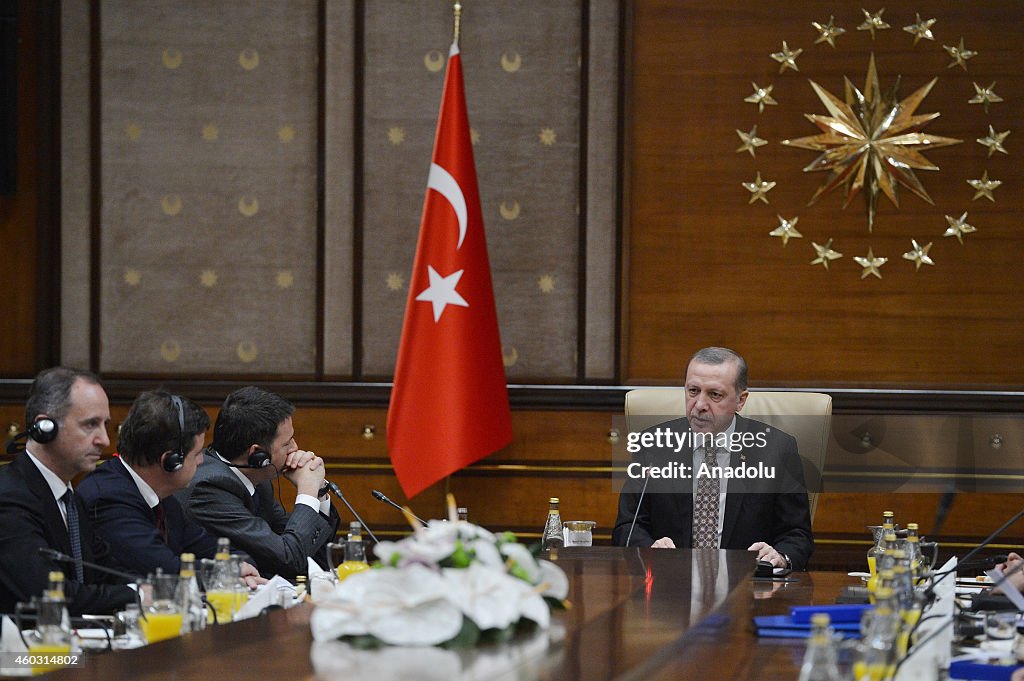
x=705, y=506
x=73, y=533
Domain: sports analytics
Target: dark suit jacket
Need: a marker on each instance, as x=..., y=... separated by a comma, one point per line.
x=776, y=512
x=122, y=517
x=277, y=542
x=30, y=519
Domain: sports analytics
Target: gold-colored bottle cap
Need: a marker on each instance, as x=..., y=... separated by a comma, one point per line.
x=821, y=619
x=56, y=576
x=553, y=500
x=188, y=556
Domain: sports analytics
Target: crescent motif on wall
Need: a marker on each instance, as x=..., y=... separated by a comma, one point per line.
x=248, y=206
x=509, y=211
x=249, y=59
x=170, y=350
x=171, y=204
x=511, y=64
x=172, y=58
x=441, y=181
x=434, y=61
x=246, y=351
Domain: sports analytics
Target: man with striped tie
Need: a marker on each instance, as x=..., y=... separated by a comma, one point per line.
x=66, y=418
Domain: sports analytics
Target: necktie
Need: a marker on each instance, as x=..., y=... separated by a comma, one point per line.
x=161, y=520
x=705, y=507
x=73, y=533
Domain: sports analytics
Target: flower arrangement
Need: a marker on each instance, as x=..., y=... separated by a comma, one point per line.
x=449, y=583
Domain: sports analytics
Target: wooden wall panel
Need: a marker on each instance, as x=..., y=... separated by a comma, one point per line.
x=702, y=268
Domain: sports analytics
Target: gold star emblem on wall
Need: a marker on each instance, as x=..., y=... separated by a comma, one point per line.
x=870, y=264
x=827, y=33
x=396, y=135
x=920, y=29
x=984, y=187
x=395, y=281
x=211, y=132
x=985, y=95
x=761, y=96
x=918, y=254
x=208, y=278
x=750, y=141
x=958, y=227
x=546, y=283
x=786, y=57
x=825, y=254
x=474, y=136
x=994, y=141
x=758, y=189
x=132, y=277
x=286, y=133
x=875, y=150
x=284, y=279
x=873, y=22
x=133, y=131
x=960, y=55
x=547, y=136
x=786, y=230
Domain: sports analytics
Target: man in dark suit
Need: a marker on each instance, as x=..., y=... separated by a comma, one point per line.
x=130, y=499
x=703, y=509
x=38, y=510
x=232, y=494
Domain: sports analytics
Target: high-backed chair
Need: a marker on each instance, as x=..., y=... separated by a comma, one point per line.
x=804, y=415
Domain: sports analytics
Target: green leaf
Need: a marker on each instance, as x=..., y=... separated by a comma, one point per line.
x=467, y=637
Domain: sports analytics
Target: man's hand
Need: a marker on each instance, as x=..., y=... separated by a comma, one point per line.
x=765, y=551
x=1013, y=562
x=306, y=471
x=251, y=576
x=664, y=543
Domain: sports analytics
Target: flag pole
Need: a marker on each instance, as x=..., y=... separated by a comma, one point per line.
x=457, y=11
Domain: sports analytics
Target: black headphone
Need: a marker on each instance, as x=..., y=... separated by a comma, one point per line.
x=260, y=458
x=41, y=430
x=174, y=460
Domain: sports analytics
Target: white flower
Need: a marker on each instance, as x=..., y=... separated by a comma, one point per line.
x=523, y=559
x=554, y=578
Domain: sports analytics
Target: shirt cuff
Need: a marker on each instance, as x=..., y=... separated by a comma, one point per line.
x=308, y=500
x=325, y=506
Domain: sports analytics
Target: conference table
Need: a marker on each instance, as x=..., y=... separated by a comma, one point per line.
x=635, y=614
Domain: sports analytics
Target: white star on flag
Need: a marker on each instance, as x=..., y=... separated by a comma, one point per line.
x=442, y=291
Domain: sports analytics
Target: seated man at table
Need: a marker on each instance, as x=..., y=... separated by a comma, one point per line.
x=66, y=416
x=130, y=499
x=707, y=510
x=232, y=494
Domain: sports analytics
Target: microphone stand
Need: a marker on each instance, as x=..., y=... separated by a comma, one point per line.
x=53, y=554
x=334, y=489
x=379, y=496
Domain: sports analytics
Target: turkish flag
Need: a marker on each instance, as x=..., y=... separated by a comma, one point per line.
x=449, y=405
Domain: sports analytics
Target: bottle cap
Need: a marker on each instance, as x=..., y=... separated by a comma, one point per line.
x=56, y=576
x=188, y=557
x=820, y=619
x=553, y=500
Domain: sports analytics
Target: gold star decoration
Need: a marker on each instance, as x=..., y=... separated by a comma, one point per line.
x=786, y=230
x=984, y=187
x=960, y=54
x=286, y=133
x=994, y=141
x=761, y=96
x=395, y=281
x=827, y=33
x=133, y=131
x=547, y=136
x=396, y=135
x=546, y=283
x=787, y=57
x=211, y=132
x=958, y=227
x=872, y=142
x=750, y=141
x=873, y=22
x=474, y=136
x=284, y=279
x=825, y=254
x=870, y=264
x=918, y=254
x=132, y=277
x=758, y=189
x=208, y=278
x=985, y=96
x=921, y=29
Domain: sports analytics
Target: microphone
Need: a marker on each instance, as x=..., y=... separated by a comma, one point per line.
x=336, y=491
x=56, y=555
x=942, y=510
x=637, y=511
x=973, y=552
x=379, y=496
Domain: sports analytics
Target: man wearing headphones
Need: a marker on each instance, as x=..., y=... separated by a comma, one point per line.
x=232, y=494
x=130, y=500
x=66, y=419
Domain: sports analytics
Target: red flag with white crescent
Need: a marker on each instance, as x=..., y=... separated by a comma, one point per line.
x=449, y=405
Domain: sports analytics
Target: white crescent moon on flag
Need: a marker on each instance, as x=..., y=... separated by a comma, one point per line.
x=441, y=181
